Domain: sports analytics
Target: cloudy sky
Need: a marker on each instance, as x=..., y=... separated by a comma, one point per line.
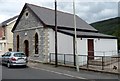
x=90, y=11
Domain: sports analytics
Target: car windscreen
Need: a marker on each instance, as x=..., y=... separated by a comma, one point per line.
x=19, y=55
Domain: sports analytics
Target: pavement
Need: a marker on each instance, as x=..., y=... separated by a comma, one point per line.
x=67, y=71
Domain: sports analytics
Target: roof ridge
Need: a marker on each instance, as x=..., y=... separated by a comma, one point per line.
x=51, y=9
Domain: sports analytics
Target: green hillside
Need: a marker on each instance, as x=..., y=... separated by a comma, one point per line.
x=110, y=27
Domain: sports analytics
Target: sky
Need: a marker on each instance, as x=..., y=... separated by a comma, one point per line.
x=89, y=10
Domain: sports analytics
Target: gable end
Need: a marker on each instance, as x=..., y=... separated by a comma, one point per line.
x=28, y=9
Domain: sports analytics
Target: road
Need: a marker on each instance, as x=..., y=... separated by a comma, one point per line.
x=30, y=73
x=43, y=73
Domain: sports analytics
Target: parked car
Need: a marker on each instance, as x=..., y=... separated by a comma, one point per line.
x=14, y=59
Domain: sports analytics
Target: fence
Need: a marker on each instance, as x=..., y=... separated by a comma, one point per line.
x=101, y=63
x=66, y=59
x=104, y=53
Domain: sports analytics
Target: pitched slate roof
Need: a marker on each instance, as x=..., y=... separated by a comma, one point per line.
x=87, y=34
x=3, y=24
x=65, y=20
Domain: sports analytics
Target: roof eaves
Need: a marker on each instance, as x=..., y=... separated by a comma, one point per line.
x=89, y=36
x=5, y=23
x=11, y=21
x=72, y=29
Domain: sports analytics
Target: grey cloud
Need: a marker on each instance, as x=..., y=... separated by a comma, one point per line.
x=88, y=11
x=91, y=11
x=96, y=10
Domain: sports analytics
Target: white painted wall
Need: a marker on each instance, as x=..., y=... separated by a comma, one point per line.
x=65, y=46
x=3, y=47
x=82, y=50
x=82, y=46
x=65, y=43
x=107, y=47
x=100, y=46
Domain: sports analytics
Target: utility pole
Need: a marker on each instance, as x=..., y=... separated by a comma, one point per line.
x=77, y=63
x=56, y=59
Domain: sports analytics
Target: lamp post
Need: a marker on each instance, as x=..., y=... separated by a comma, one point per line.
x=76, y=54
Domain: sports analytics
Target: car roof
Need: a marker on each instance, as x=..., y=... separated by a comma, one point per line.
x=15, y=52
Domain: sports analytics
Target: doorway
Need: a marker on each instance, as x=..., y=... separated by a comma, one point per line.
x=26, y=49
x=17, y=43
x=90, y=49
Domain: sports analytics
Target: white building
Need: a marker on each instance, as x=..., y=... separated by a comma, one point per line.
x=34, y=34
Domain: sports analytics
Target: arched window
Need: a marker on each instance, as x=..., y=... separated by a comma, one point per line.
x=36, y=43
x=17, y=42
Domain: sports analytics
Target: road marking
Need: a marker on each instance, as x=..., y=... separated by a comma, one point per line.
x=59, y=73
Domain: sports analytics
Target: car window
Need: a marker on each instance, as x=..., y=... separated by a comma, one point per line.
x=7, y=54
x=19, y=55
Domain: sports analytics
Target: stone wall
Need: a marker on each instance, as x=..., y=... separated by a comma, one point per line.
x=26, y=29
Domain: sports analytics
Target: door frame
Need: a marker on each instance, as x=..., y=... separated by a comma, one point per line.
x=26, y=47
x=90, y=43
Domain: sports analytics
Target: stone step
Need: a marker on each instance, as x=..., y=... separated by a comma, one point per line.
x=106, y=61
